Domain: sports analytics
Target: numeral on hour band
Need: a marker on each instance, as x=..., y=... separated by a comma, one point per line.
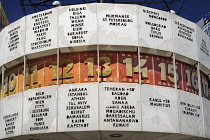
x=90, y=63
x=10, y=83
x=105, y=68
x=129, y=66
x=194, y=80
x=129, y=71
x=205, y=86
x=144, y=70
x=170, y=71
x=65, y=74
x=33, y=75
x=191, y=79
x=6, y=83
x=69, y=65
x=53, y=66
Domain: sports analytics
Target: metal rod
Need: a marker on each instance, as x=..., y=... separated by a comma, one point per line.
x=53, y=5
x=41, y=2
x=166, y=5
x=146, y=2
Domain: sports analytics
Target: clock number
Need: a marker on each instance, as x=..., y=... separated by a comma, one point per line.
x=191, y=81
x=144, y=71
x=53, y=66
x=9, y=83
x=12, y=82
x=6, y=85
x=106, y=71
x=162, y=67
x=129, y=72
x=34, y=75
x=164, y=73
x=68, y=68
x=65, y=74
x=90, y=63
x=205, y=87
x=128, y=62
x=194, y=81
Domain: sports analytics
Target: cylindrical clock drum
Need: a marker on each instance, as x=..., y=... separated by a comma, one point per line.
x=104, y=72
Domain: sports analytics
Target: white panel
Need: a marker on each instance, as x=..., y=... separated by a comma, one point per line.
x=14, y=40
x=203, y=41
x=155, y=29
x=78, y=107
x=184, y=34
x=2, y=42
x=120, y=107
x=12, y=115
x=206, y=112
x=41, y=33
x=159, y=109
x=39, y=112
x=77, y=25
x=190, y=114
x=117, y=24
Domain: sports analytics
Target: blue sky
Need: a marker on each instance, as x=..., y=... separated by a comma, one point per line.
x=192, y=10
